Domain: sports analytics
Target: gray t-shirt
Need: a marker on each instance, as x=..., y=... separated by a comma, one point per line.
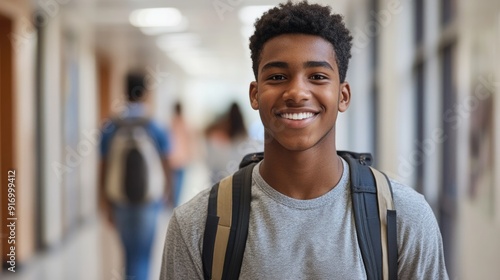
x=307, y=239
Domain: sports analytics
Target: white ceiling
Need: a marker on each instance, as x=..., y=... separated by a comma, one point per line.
x=221, y=53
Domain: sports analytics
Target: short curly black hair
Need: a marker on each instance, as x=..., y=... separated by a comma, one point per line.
x=303, y=18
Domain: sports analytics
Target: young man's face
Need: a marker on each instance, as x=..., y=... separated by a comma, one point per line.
x=298, y=92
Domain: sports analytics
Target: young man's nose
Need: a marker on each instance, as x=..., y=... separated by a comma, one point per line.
x=297, y=91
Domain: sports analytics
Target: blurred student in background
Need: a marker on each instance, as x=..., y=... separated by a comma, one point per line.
x=227, y=142
x=183, y=151
x=134, y=171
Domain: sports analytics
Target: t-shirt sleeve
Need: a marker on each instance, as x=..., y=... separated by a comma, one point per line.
x=183, y=243
x=420, y=245
x=177, y=261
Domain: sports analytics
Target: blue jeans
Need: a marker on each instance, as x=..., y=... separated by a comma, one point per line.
x=136, y=225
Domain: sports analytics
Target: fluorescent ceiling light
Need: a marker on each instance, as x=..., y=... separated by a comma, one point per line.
x=153, y=31
x=249, y=14
x=156, y=17
x=172, y=42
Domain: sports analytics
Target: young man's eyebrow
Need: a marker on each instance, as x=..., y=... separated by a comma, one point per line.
x=310, y=64
x=274, y=64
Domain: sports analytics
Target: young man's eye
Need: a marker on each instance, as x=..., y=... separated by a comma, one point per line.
x=318, y=77
x=277, y=78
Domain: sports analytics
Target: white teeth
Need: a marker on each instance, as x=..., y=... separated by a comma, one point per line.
x=297, y=116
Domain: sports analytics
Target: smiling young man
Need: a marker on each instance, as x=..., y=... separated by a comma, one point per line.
x=299, y=92
x=301, y=221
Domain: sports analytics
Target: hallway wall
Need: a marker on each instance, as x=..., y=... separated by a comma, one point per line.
x=22, y=40
x=431, y=68
x=479, y=189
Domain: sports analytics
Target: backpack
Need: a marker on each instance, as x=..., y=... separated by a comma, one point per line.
x=226, y=227
x=134, y=169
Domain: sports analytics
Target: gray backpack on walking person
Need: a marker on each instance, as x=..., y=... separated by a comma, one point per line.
x=134, y=169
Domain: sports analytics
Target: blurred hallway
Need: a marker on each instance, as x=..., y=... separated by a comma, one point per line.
x=425, y=78
x=92, y=252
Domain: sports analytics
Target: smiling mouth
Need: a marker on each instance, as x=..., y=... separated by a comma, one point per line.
x=297, y=116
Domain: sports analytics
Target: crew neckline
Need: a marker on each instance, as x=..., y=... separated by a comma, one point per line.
x=332, y=195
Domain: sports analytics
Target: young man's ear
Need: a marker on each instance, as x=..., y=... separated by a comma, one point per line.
x=253, y=95
x=344, y=96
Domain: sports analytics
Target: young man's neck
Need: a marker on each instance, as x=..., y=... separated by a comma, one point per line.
x=301, y=174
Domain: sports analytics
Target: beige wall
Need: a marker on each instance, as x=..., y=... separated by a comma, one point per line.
x=88, y=108
x=26, y=145
x=388, y=99
x=52, y=137
x=479, y=214
x=24, y=43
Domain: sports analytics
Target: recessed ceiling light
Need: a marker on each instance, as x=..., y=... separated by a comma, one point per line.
x=154, y=31
x=156, y=17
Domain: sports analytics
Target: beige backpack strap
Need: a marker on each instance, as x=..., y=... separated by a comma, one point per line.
x=224, y=211
x=385, y=203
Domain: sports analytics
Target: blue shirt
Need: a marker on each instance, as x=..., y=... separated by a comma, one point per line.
x=134, y=110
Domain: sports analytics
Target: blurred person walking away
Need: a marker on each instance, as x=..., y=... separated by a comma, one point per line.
x=227, y=142
x=183, y=150
x=135, y=177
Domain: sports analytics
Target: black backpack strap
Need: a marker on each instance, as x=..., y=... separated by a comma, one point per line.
x=367, y=219
x=251, y=158
x=226, y=228
x=210, y=232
